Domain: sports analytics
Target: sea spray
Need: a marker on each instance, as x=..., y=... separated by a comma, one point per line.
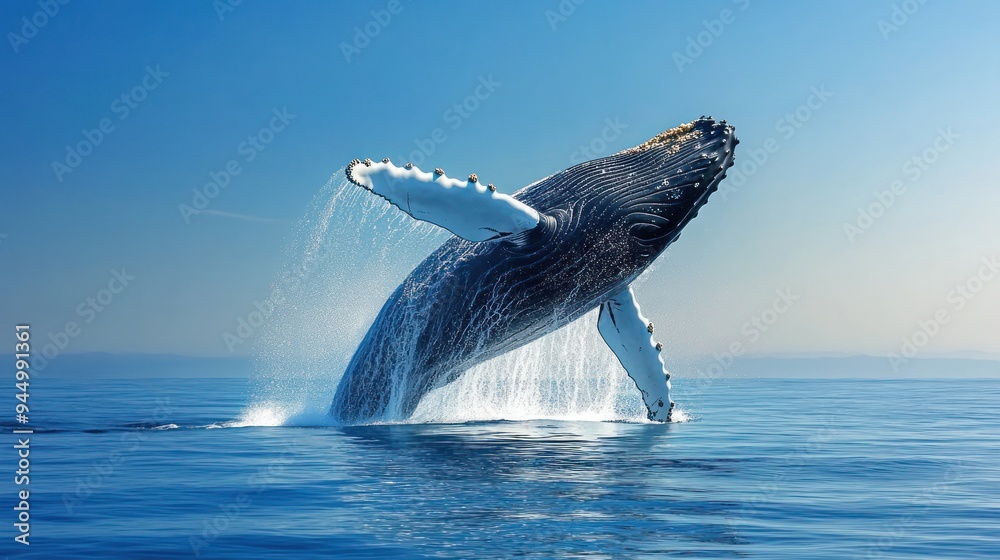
x=345, y=256
x=569, y=374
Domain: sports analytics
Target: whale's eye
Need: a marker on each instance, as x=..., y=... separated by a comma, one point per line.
x=650, y=222
x=646, y=232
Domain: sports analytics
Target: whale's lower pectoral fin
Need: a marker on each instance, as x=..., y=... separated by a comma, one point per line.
x=630, y=336
x=468, y=209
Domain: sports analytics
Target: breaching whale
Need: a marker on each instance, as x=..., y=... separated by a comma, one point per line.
x=520, y=266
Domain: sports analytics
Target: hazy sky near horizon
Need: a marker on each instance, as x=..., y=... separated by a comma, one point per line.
x=865, y=188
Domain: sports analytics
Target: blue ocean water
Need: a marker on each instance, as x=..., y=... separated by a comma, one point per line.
x=767, y=468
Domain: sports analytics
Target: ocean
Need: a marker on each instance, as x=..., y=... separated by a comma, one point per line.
x=760, y=468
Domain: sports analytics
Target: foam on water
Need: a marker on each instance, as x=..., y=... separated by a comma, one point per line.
x=347, y=255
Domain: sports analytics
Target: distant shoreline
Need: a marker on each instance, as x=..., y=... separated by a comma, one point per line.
x=100, y=365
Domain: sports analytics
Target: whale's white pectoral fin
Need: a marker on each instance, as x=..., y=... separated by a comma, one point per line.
x=630, y=336
x=468, y=209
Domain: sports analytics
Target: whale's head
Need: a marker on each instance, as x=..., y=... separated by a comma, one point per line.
x=647, y=193
x=669, y=177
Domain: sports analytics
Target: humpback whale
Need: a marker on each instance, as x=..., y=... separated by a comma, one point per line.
x=521, y=266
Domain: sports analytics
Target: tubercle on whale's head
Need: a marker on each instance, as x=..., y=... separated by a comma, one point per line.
x=669, y=138
x=700, y=131
x=666, y=179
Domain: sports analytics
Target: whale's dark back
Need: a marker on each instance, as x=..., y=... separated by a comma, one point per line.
x=604, y=221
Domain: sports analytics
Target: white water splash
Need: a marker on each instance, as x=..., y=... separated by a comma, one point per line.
x=568, y=375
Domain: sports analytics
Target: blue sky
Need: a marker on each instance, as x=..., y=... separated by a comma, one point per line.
x=198, y=83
